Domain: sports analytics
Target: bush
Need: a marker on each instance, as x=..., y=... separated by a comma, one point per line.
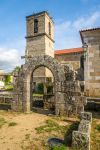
x=7, y=79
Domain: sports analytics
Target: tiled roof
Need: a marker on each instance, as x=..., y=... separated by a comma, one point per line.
x=86, y=30
x=68, y=51
x=90, y=29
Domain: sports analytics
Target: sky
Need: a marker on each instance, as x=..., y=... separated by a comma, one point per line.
x=70, y=16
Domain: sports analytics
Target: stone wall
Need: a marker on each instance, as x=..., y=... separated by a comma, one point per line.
x=72, y=59
x=92, y=62
x=81, y=138
x=67, y=95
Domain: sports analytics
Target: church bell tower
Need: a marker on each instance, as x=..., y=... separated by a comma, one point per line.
x=40, y=35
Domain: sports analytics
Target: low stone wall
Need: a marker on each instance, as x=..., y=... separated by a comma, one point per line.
x=93, y=104
x=81, y=138
x=6, y=97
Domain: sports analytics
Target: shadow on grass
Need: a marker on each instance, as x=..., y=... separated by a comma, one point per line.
x=59, y=144
x=68, y=134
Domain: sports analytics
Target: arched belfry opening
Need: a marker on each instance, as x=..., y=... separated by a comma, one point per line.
x=35, y=25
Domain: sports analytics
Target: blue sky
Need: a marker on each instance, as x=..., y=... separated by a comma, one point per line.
x=69, y=16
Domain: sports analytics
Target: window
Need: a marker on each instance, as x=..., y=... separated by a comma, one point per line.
x=49, y=28
x=35, y=26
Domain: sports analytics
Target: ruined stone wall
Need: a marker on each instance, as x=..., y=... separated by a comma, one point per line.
x=67, y=95
x=81, y=138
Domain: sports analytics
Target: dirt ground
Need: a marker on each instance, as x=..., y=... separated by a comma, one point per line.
x=19, y=131
x=23, y=135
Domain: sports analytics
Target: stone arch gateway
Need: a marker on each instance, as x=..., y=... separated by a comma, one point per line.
x=22, y=83
x=68, y=98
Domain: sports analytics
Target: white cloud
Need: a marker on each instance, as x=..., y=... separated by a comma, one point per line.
x=67, y=32
x=87, y=22
x=9, y=59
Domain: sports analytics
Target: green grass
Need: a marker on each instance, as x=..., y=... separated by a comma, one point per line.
x=50, y=126
x=8, y=87
x=95, y=135
x=2, y=122
x=12, y=124
x=62, y=147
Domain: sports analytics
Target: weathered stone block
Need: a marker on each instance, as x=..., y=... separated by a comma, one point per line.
x=86, y=116
x=80, y=140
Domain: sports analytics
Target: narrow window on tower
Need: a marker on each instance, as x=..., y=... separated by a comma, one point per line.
x=49, y=28
x=35, y=26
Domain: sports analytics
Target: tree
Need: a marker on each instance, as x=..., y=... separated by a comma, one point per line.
x=7, y=79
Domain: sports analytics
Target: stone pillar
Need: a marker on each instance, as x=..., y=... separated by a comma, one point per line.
x=60, y=103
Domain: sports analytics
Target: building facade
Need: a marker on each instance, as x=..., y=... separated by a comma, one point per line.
x=91, y=43
x=70, y=57
x=40, y=41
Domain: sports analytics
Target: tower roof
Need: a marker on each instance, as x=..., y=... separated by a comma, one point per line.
x=40, y=13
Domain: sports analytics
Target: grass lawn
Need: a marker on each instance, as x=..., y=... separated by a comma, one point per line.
x=8, y=87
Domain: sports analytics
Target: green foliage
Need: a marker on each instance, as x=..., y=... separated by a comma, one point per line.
x=9, y=87
x=7, y=79
x=2, y=122
x=12, y=124
x=40, y=88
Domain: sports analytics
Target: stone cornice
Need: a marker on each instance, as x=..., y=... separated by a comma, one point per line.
x=41, y=34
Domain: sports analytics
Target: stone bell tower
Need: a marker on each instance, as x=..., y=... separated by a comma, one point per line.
x=40, y=41
x=40, y=35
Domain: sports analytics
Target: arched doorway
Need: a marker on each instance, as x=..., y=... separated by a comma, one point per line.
x=42, y=90
x=23, y=95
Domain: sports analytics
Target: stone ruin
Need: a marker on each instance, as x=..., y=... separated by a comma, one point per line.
x=81, y=138
x=68, y=98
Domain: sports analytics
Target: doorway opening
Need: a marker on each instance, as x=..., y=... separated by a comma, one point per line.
x=42, y=90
